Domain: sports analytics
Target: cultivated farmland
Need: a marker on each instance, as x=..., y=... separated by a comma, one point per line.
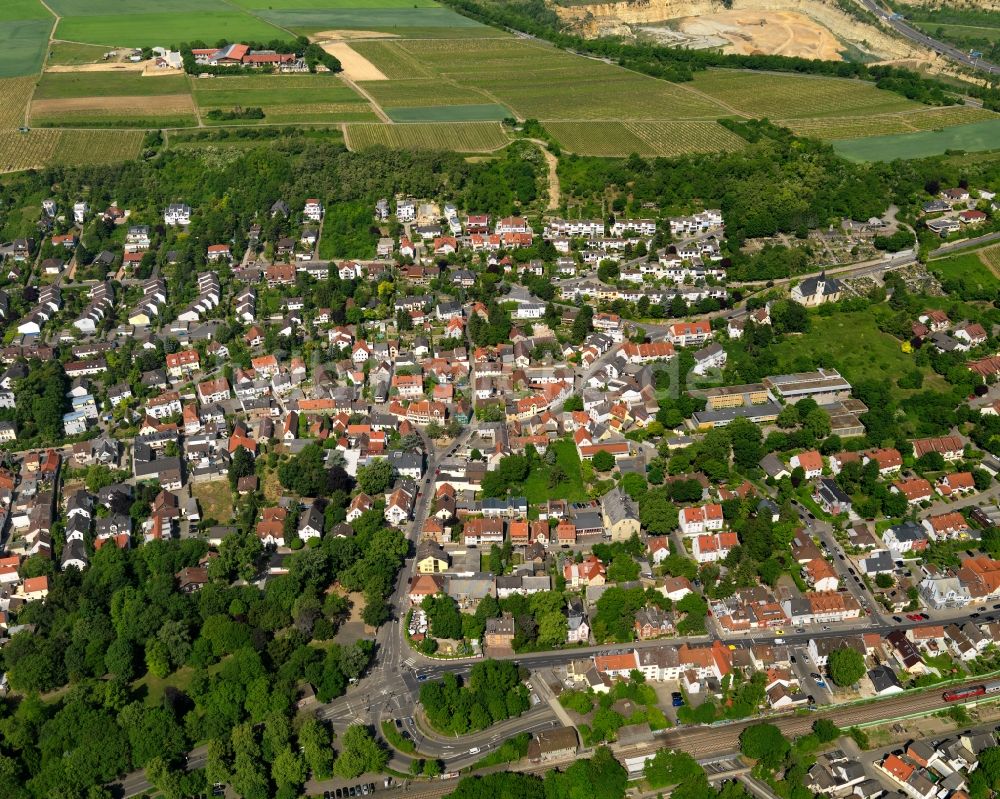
x=832, y=128
x=411, y=93
x=465, y=137
x=59, y=85
x=14, y=96
x=285, y=98
x=115, y=99
x=975, y=137
x=27, y=150
x=610, y=138
x=22, y=45
x=408, y=21
x=149, y=30
x=780, y=96
x=485, y=112
x=97, y=146
x=392, y=60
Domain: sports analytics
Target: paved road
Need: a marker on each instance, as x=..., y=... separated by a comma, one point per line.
x=922, y=39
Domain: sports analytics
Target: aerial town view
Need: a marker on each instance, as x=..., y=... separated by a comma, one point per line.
x=500, y=399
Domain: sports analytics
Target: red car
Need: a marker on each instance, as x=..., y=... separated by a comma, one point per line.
x=914, y=617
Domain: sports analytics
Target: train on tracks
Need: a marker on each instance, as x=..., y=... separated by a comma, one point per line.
x=971, y=691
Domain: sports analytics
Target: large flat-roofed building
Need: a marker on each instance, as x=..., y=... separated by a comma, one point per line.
x=759, y=414
x=734, y=396
x=824, y=385
x=844, y=417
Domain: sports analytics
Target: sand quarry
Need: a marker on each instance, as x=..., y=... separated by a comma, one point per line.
x=786, y=33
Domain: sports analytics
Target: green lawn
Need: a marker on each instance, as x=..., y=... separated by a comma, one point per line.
x=975, y=137
x=967, y=267
x=166, y=29
x=536, y=487
x=852, y=344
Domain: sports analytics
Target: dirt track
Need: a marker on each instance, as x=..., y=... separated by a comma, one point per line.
x=356, y=66
x=348, y=35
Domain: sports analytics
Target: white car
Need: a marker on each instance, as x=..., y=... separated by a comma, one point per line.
x=474, y=750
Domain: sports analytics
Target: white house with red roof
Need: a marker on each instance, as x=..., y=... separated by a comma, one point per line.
x=701, y=519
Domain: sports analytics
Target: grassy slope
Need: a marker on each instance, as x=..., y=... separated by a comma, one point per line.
x=851, y=343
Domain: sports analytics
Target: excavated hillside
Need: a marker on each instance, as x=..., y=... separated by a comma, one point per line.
x=807, y=28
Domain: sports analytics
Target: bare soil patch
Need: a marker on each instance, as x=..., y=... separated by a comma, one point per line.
x=356, y=66
x=348, y=35
x=161, y=105
x=786, y=33
x=147, y=68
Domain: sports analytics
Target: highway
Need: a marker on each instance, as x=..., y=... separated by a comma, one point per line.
x=920, y=38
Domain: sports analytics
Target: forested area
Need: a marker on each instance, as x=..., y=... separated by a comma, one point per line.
x=777, y=184
x=154, y=671
x=229, y=196
x=680, y=64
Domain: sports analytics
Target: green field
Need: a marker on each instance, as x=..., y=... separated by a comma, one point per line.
x=285, y=98
x=71, y=54
x=616, y=139
x=403, y=20
x=970, y=267
x=258, y=6
x=22, y=46
x=974, y=137
x=61, y=85
x=962, y=32
x=851, y=343
x=782, y=96
x=421, y=92
x=23, y=9
x=166, y=28
x=486, y=112
x=463, y=137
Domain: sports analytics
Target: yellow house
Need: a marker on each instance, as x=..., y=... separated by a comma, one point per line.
x=431, y=559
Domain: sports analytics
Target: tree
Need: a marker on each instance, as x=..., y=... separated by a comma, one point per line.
x=846, y=666
x=603, y=461
x=360, y=753
x=376, y=477
x=552, y=629
x=242, y=465
x=884, y=581
x=825, y=730
x=764, y=743
x=288, y=768
x=305, y=473
x=314, y=738
x=747, y=442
